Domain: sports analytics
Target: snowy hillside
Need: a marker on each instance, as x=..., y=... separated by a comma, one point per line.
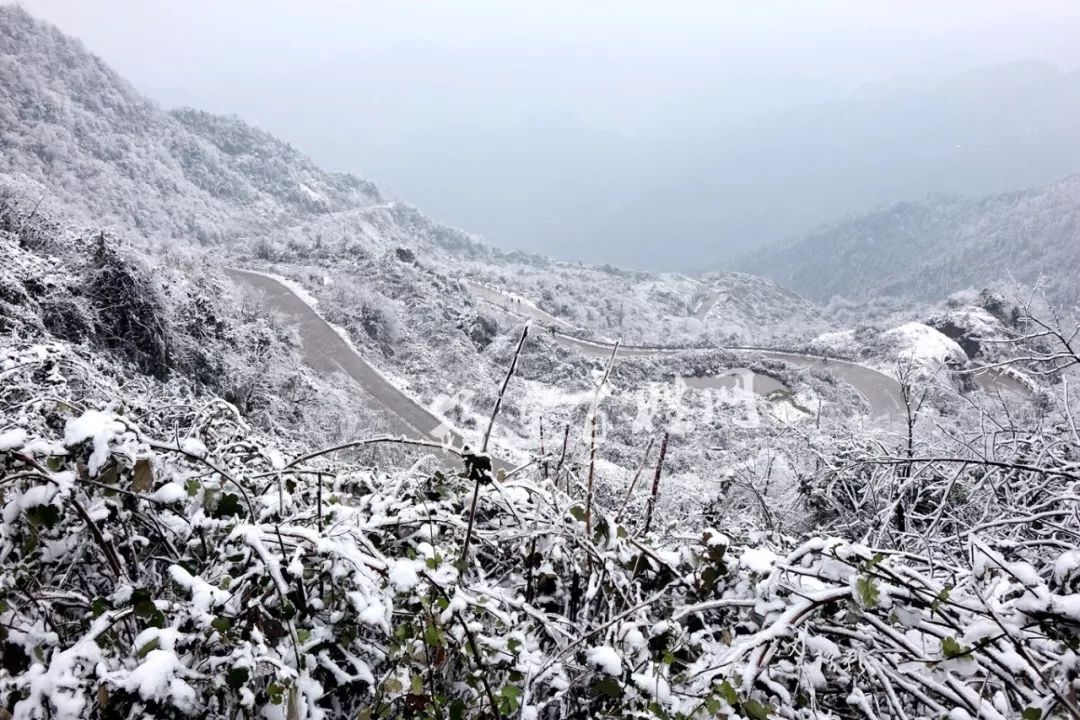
x=70, y=122
x=172, y=317
x=208, y=508
x=930, y=249
x=666, y=309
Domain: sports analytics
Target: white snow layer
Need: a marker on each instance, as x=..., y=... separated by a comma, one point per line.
x=402, y=575
x=194, y=446
x=759, y=560
x=925, y=345
x=605, y=658
x=101, y=427
x=12, y=439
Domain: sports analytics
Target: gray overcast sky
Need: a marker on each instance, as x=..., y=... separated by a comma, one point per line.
x=387, y=89
x=415, y=63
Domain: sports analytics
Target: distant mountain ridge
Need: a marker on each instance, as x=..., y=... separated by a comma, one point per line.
x=682, y=198
x=926, y=250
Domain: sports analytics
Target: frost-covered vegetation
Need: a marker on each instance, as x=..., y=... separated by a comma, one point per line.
x=192, y=523
x=163, y=558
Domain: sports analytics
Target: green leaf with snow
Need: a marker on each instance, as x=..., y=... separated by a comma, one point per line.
x=509, y=695
x=43, y=516
x=276, y=693
x=757, y=710
x=229, y=506
x=868, y=591
x=728, y=693
x=951, y=648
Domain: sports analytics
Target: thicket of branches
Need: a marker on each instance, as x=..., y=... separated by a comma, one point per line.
x=165, y=560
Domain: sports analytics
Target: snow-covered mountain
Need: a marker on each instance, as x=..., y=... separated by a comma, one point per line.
x=194, y=523
x=70, y=123
x=203, y=191
x=927, y=250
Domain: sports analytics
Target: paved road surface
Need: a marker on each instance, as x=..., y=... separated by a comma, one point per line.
x=881, y=391
x=326, y=352
x=992, y=380
x=734, y=378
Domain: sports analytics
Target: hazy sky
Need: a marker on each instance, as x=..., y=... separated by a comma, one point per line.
x=605, y=61
x=388, y=89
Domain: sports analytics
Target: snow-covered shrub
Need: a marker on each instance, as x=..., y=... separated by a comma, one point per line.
x=162, y=559
x=129, y=313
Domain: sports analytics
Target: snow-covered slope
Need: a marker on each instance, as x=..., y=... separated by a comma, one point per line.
x=927, y=250
x=173, y=317
x=70, y=122
x=664, y=309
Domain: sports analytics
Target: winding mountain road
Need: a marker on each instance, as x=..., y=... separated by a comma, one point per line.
x=325, y=351
x=881, y=391
x=735, y=379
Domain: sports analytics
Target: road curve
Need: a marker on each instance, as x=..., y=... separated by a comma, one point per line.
x=881, y=391
x=736, y=379
x=327, y=352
